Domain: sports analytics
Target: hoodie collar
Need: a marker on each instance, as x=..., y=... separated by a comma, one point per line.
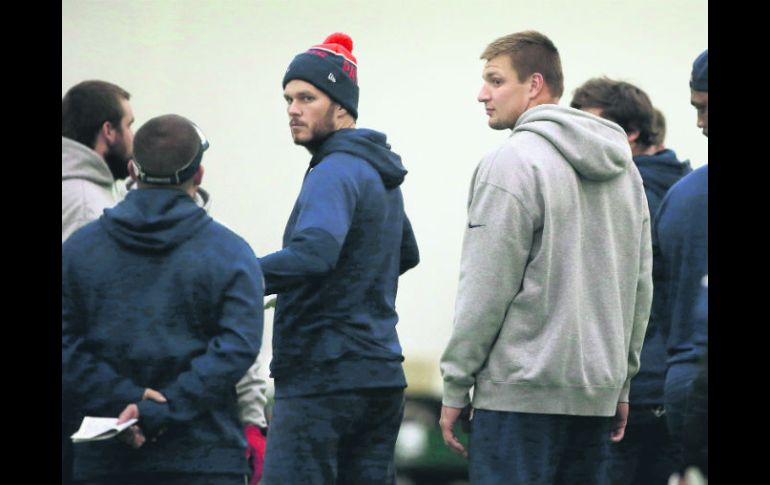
x=370, y=145
x=154, y=220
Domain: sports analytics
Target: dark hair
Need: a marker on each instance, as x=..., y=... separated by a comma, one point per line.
x=530, y=52
x=621, y=102
x=658, y=128
x=87, y=105
x=165, y=145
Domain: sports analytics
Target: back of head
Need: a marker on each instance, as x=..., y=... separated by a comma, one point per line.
x=168, y=150
x=621, y=102
x=332, y=68
x=87, y=105
x=530, y=52
x=699, y=79
x=658, y=137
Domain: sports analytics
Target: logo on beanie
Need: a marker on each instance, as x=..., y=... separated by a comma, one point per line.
x=332, y=68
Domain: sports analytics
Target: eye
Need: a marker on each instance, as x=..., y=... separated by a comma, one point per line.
x=307, y=99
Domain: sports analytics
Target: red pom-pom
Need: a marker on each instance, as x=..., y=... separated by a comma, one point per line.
x=342, y=39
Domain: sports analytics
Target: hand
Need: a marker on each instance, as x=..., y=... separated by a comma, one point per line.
x=619, y=423
x=449, y=416
x=133, y=435
x=255, y=451
x=154, y=395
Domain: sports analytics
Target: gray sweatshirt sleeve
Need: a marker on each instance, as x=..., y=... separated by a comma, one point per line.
x=642, y=308
x=496, y=248
x=252, y=396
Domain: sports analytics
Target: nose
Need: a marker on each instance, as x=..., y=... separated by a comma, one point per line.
x=293, y=108
x=483, y=95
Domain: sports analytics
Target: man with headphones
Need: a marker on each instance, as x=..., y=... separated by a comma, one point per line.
x=161, y=317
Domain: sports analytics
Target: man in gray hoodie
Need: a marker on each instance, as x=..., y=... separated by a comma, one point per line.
x=96, y=145
x=555, y=281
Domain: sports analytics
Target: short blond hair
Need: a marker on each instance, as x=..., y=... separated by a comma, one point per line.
x=530, y=52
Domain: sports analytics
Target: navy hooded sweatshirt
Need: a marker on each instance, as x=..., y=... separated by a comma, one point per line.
x=680, y=261
x=157, y=294
x=345, y=244
x=659, y=172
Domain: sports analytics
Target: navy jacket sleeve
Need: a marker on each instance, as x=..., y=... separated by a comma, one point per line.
x=410, y=254
x=212, y=376
x=323, y=214
x=87, y=380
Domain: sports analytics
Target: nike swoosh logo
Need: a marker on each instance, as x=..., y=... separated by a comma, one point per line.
x=471, y=226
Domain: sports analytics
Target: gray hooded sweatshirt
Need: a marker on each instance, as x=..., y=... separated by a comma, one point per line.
x=87, y=186
x=555, y=278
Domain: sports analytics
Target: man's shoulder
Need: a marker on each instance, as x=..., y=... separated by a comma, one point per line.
x=509, y=159
x=342, y=162
x=82, y=237
x=693, y=184
x=343, y=168
x=217, y=236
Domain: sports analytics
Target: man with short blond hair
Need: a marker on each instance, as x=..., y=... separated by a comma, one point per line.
x=555, y=281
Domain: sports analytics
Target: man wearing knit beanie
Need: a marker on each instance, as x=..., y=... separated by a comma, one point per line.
x=161, y=317
x=339, y=382
x=680, y=249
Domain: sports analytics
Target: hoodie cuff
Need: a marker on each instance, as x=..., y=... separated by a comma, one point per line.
x=625, y=391
x=126, y=392
x=152, y=416
x=455, y=396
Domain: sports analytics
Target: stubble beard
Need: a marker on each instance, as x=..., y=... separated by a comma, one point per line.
x=320, y=132
x=500, y=124
x=117, y=160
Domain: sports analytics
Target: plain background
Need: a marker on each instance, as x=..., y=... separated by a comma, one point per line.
x=220, y=63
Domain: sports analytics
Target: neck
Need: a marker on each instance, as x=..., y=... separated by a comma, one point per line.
x=637, y=149
x=189, y=189
x=543, y=97
x=344, y=122
x=100, y=147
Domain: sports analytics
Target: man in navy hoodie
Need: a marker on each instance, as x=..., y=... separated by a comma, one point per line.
x=339, y=382
x=680, y=252
x=161, y=316
x=647, y=453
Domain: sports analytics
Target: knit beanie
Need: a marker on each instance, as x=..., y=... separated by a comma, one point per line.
x=330, y=67
x=700, y=72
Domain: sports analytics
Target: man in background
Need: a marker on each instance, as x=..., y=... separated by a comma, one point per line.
x=96, y=145
x=680, y=248
x=647, y=454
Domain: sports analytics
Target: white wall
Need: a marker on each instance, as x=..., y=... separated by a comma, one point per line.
x=220, y=63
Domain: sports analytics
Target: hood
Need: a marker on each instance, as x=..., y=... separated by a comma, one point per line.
x=660, y=171
x=80, y=162
x=154, y=220
x=368, y=144
x=596, y=148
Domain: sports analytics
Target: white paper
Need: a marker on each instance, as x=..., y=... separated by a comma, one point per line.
x=94, y=429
